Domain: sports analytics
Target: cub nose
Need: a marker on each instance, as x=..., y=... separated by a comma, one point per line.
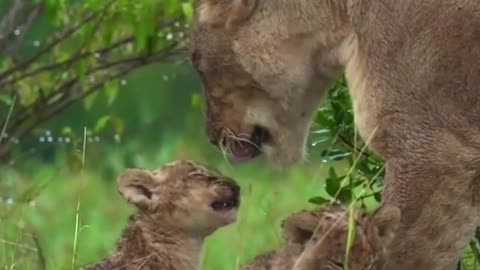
x=235, y=189
x=230, y=184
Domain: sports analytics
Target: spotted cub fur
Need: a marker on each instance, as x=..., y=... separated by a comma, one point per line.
x=178, y=205
x=316, y=240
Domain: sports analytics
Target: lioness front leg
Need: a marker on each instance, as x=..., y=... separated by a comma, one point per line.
x=439, y=210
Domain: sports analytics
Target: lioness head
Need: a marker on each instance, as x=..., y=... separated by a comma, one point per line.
x=193, y=198
x=264, y=67
x=324, y=232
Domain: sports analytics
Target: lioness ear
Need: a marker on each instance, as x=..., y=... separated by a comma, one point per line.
x=387, y=220
x=299, y=227
x=225, y=13
x=137, y=186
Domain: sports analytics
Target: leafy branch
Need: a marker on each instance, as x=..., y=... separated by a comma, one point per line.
x=81, y=56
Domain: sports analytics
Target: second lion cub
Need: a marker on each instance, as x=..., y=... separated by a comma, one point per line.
x=316, y=240
x=178, y=206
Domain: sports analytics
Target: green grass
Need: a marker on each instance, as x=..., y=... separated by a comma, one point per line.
x=39, y=222
x=44, y=229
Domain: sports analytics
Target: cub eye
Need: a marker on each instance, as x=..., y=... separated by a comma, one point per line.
x=212, y=178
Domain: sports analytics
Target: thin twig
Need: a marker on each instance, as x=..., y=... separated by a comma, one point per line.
x=352, y=146
x=77, y=215
x=4, y=129
x=40, y=254
x=17, y=245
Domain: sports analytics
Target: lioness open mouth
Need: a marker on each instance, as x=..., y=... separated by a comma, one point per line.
x=247, y=149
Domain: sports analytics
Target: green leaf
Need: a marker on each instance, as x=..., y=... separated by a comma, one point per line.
x=33, y=191
x=332, y=183
x=321, y=136
x=6, y=99
x=90, y=100
x=118, y=124
x=187, y=9
x=66, y=131
x=101, y=123
x=319, y=141
x=318, y=200
x=324, y=119
x=363, y=166
x=358, y=183
x=334, y=155
x=80, y=68
x=197, y=102
x=345, y=195
x=28, y=94
x=111, y=91
x=322, y=132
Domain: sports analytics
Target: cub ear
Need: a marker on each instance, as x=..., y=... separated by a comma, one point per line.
x=138, y=187
x=224, y=13
x=299, y=227
x=387, y=220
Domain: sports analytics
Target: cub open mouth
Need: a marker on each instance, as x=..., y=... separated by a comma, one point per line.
x=225, y=204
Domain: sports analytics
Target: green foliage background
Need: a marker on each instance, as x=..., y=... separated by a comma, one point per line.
x=76, y=113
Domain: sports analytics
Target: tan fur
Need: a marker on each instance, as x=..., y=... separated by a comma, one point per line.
x=413, y=69
x=316, y=240
x=174, y=216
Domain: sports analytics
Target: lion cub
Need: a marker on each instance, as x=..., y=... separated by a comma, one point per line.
x=316, y=240
x=178, y=206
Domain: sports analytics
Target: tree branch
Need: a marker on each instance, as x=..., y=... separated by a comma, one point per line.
x=77, y=57
x=41, y=256
x=24, y=27
x=56, y=40
x=8, y=22
x=24, y=113
x=68, y=97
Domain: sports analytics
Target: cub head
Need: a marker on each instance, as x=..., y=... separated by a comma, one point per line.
x=189, y=196
x=264, y=67
x=325, y=231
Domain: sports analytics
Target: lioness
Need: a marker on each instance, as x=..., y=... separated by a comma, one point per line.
x=413, y=69
x=178, y=205
x=317, y=240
